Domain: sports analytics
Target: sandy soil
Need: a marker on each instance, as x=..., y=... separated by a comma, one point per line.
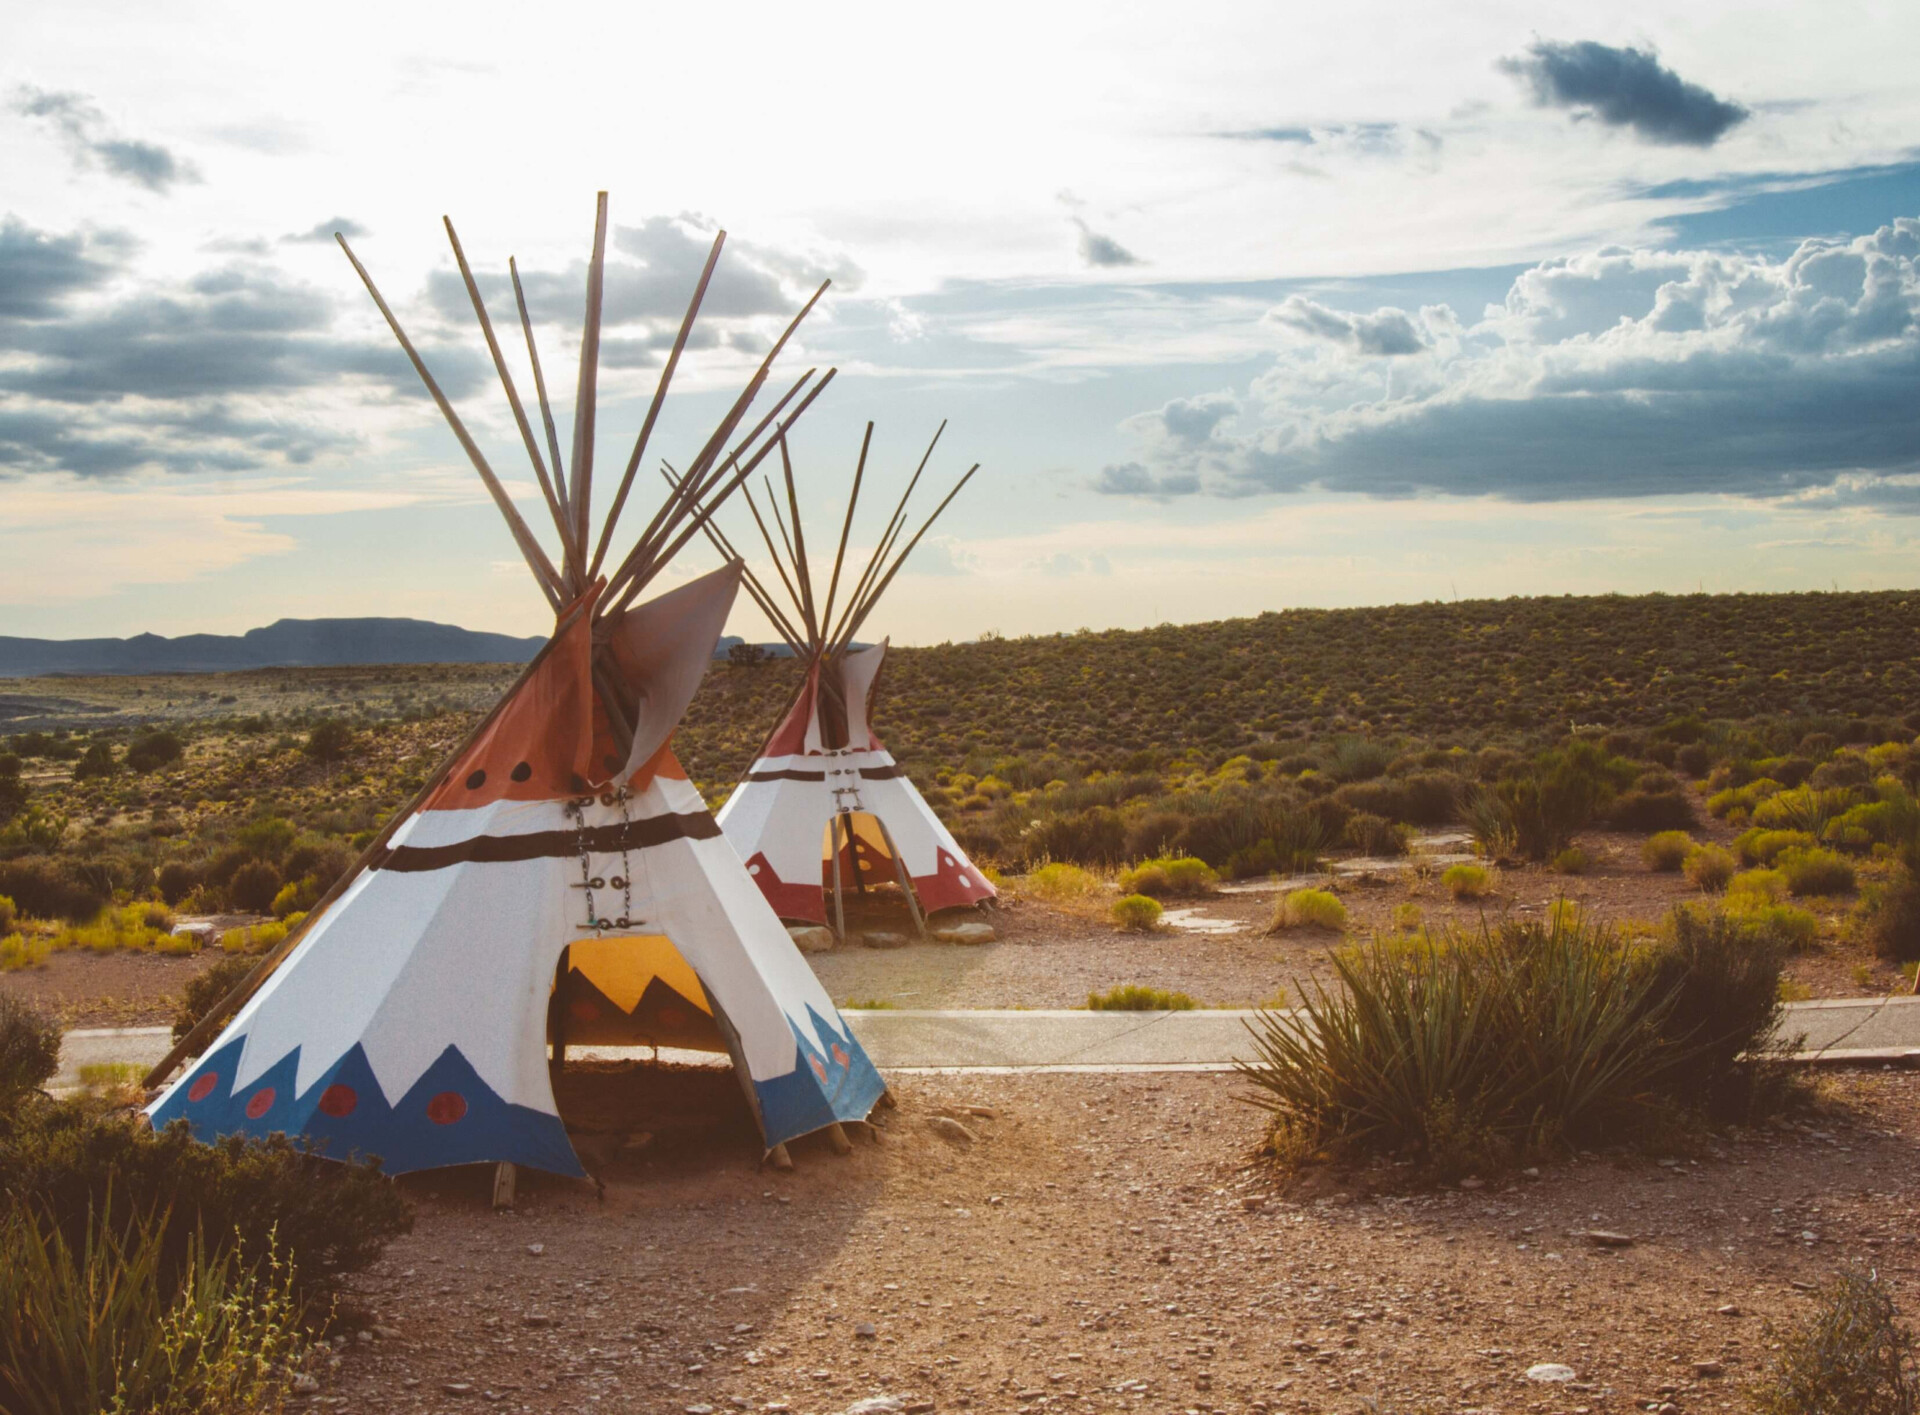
x=1111, y=1243
x=86, y=989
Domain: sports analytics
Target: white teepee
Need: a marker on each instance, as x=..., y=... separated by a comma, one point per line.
x=825, y=808
x=558, y=880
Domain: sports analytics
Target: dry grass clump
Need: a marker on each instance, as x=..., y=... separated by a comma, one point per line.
x=1132, y=997
x=1813, y=872
x=1666, y=851
x=1850, y=1356
x=1468, y=881
x=1060, y=883
x=1136, y=913
x=1708, y=868
x=1168, y=878
x=1309, y=909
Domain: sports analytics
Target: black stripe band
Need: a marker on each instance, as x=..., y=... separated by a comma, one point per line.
x=791, y=774
x=881, y=773
x=550, y=844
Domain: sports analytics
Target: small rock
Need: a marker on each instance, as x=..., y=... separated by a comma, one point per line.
x=304, y=1384
x=387, y=1333
x=364, y=1337
x=950, y=1130
x=811, y=938
x=1708, y=1369
x=1551, y=1371
x=456, y=1388
x=883, y=938
x=536, y=1248
x=536, y=1319
x=699, y=1410
x=1253, y=1203
x=967, y=933
x=1601, y=1238
x=1471, y=1183
x=865, y=1331
x=983, y=1112
x=876, y=1405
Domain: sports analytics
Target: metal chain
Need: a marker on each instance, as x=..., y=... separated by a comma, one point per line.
x=589, y=881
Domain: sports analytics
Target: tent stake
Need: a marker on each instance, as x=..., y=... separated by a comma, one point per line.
x=780, y=1159
x=837, y=1137
x=504, y=1176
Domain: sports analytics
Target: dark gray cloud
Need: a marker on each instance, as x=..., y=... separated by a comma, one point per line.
x=650, y=275
x=1618, y=374
x=1624, y=88
x=160, y=377
x=1387, y=332
x=321, y=233
x=88, y=137
x=39, y=270
x=1102, y=252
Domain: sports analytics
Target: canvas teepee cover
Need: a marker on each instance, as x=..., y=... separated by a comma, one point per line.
x=825, y=807
x=560, y=876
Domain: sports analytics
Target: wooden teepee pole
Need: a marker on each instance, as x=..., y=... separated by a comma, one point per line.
x=560, y=524
x=846, y=526
x=886, y=537
x=535, y=557
x=580, y=491
x=546, y=412
x=866, y=606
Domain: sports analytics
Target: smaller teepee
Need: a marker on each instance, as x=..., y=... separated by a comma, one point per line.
x=825, y=808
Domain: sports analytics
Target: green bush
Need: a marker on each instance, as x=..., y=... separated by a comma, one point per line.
x=1737, y=802
x=1467, y=881
x=1666, y=851
x=1097, y=836
x=1309, y=909
x=96, y=761
x=204, y=991
x=1759, y=846
x=152, y=750
x=1056, y=883
x=1815, y=872
x=1474, y=1051
x=1132, y=997
x=23, y=950
x=1891, y=916
x=51, y=889
x=1708, y=867
x=1661, y=810
x=330, y=1217
x=1136, y=913
x=1803, y=808
x=1375, y=835
x=253, y=887
x=1756, y=886
x=8, y=913
x=329, y=741
x=176, y=880
x=29, y=1050
x=1571, y=861
x=1164, y=878
x=1850, y=1356
x=1722, y=977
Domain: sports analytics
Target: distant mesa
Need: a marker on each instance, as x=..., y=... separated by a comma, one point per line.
x=288, y=643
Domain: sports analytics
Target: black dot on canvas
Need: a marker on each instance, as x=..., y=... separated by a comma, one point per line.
x=521, y=772
x=477, y=780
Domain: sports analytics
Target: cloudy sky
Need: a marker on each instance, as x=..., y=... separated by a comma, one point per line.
x=1239, y=306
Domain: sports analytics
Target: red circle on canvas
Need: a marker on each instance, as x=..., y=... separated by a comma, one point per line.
x=839, y=1055
x=819, y=1068
x=203, y=1087
x=338, y=1100
x=261, y=1103
x=585, y=1009
x=446, y=1107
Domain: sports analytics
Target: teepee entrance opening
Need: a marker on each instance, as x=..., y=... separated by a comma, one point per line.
x=864, y=875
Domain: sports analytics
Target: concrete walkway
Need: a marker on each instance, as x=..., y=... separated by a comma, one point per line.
x=1862, y=1030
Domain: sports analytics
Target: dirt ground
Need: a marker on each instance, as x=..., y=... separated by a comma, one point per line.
x=1112, y=1243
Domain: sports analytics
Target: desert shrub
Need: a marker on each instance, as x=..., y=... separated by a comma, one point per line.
x=206, y=990
x=23, y=950
x=29, y=1050
x=1309, y=909
x=8, y=913
x=131, y=926
x=1815, y=871
x=1163, y=878
x=1793, y=929
x=295, y=897
x=1155, y=834
x=102, y=1324
x=51, y=889
x=1761, y=847
x=1406, y=917
x=1136, y=913
x=1132, y=997
x=1358, y=759
x=258, y=938
x=1571, y=861
x=1694, y=759
x=1708, y=867
x=1890, y=916
x=1419, y=798
x=1491, y=825
x=1660, y=810
x=253, y=887
x=266, y=838
x=1474, y=1051
x=1375, y=835
x=1737, y=802
x=176, y=880
x=1467, y=881
x=1666, y=851
x=1722, y=980
x=329, y=741
x=330, y=1217
x=1060, y=883
x=1547, y=808
x=1803, y=808
x=1096, y=836
x=1762, y=886
x=152, y=750
x=96, y=761
x=1850, y=1356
